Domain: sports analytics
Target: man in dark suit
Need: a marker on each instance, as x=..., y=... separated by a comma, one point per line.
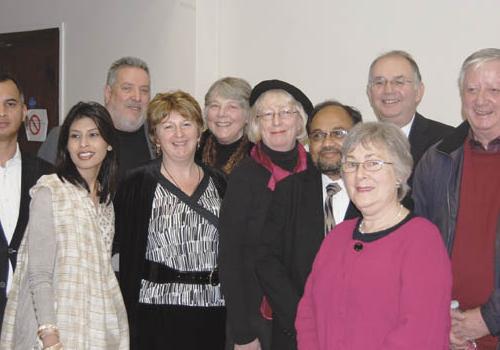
x=18, y=173
x=296, y=223
x=395, y=89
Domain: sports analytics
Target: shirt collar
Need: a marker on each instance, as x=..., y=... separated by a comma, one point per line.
x=406, y=129
x=493, y=145
x=16, y=159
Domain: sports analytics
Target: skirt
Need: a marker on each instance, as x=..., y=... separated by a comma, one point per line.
x=175, y=327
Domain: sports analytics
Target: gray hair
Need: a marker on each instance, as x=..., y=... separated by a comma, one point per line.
x=475, y=60
x=398, y=53
x=230, y=88
x=124, y=62
x=253, y=131
x=390, y=137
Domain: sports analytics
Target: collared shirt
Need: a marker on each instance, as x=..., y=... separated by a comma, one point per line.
x=407, y=128
x=493, y=145
x=10, y=199
x=340, y=201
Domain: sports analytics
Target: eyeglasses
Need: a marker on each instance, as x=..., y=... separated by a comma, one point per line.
x=283, y=114
x=368, y=165
x=396, y=83
x=319, y=136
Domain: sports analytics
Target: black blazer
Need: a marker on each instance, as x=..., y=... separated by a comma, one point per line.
x=423, y=134
x=291, y=237
x=31, y=169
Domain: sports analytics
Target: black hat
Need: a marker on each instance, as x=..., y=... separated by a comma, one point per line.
x=275, y=84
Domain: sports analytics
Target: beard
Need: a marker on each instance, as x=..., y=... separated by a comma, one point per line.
x=328, y=168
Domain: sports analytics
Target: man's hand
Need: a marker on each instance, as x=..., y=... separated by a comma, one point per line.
x=466, y=325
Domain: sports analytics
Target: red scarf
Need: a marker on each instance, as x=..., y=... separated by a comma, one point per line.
x=277, y=172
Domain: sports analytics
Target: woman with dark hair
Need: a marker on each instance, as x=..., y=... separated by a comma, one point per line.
x=167, y=224
x=65, y=293
x=225, y=143
x=277, y=124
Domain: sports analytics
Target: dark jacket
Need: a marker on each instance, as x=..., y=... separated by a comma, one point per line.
x=133, y=204
x=436, y=192
x=423, y=134
x=291, y=237
x=31, y=170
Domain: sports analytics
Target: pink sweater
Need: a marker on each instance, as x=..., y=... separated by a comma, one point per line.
x=394, y=293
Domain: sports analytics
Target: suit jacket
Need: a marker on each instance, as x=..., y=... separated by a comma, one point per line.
x=423, y=134
x=31, y=169
x=291, y=237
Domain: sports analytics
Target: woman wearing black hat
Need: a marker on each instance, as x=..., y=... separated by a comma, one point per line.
x=277, y=124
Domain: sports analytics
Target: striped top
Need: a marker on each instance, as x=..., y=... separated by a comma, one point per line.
x=183, y=240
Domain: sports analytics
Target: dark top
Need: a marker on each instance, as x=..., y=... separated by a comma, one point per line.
x=241, y=220
x=133, y=150
x=290, y=238
x=222, y=152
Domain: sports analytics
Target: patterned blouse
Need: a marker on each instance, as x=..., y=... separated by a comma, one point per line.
x=183, y=240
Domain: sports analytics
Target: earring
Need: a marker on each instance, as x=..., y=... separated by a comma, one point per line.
x=158, y=150
x=398, y=184
x=110, y=148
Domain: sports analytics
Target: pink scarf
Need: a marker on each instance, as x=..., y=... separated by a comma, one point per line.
x=278, y=173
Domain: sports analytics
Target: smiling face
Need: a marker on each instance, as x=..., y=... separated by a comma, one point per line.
x=226, y=119
x=127, y=99
x=481, y=100
x=393, y=102
x=177, y=137
x=12, y=111
x=326, y=153
x=86, y=147
x=371, y=192
x=278, y=133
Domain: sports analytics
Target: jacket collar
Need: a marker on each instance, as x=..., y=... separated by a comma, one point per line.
x=454, y=140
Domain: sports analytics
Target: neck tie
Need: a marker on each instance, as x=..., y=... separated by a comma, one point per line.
x=331, y=190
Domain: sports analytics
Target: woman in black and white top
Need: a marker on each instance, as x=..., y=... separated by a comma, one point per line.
x=166, y=222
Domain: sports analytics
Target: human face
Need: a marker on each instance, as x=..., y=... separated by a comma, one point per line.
x=396, y=96
x=226, y=119
x=326, y=153
x=371, y=191
x=177, y=137
x=12, y=111
x=127, y=99
x=481, y=100
x=86, y=147
x=279, y=134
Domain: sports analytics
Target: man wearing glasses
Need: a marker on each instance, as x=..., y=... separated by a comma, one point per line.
x=395, y=89
x=305, y=207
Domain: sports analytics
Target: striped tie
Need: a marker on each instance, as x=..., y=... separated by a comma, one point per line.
x=331, y=190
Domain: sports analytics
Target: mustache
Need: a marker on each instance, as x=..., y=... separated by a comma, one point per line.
x=134, y=105
x=329, y=149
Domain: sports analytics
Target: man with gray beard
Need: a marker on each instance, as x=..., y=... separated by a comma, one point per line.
x=305, y=207
x=126, y=97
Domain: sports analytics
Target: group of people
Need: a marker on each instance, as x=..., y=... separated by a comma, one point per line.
x=259, y=222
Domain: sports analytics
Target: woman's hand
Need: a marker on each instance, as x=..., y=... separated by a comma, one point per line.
x=465, y=326
x=254, y=345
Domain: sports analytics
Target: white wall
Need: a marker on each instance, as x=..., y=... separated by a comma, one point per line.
x=326, y=46
x=97, y=32
x=322, y=46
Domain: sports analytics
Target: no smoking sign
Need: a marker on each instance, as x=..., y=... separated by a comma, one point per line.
x=36, y=125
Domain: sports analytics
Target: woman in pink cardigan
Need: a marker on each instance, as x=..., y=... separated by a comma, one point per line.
x=382, y=281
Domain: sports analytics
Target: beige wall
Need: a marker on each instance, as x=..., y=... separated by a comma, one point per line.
x=323, y=46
